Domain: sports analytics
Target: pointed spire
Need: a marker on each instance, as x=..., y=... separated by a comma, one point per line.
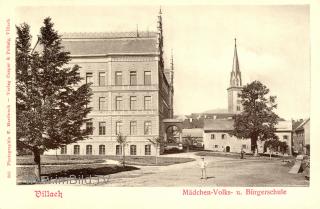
x=171, y=61
x=235, y=78
x=235, y=66
x=160, y=39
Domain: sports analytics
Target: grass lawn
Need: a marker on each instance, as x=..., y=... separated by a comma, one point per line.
x=95, y=159
x=66, y=165
x=54, y=171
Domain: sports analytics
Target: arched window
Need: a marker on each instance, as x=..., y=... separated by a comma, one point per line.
x=102, y=150
x=89, y=149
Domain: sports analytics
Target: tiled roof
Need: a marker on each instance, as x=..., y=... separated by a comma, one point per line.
x=193, y=132
x=109, y=43
x=218, y=125
x=284, y=125
x=109, y=35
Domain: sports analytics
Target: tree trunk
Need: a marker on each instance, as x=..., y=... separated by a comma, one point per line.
x=254, y=146
x=156, y=155
x=123, y=156
x=37, y=160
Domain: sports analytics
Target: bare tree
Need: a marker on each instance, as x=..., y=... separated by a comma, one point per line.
x=156, y=142
x=122, y=140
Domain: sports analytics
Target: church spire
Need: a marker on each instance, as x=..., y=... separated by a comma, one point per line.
x=160, y=38
x=235, y=78
x=172, y=68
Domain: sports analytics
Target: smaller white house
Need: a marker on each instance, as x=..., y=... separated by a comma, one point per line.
x=216, y=137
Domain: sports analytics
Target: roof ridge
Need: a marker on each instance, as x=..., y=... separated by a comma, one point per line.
x=111, y=34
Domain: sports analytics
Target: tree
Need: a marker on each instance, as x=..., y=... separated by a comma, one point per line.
x=257, y=120
x=122, y=140
x=157, y=141
x=51, y=110
x=189, y=141
x=283, y=148
x=272, y=145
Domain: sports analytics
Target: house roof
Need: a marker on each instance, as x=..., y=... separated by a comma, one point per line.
x=218, y=125
x=97, y=44
x=227, y=125
x=301, y=126
x=193, y=132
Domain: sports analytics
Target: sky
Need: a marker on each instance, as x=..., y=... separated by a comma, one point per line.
x=273, y=47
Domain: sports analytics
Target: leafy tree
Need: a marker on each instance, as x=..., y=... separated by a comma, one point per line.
x=157, y=142
x=122, y=140
x=257, y=120
x=272, y=145
x=51, y=110
x=189, y=141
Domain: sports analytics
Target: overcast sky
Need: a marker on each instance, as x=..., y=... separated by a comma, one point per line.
x=273, y=47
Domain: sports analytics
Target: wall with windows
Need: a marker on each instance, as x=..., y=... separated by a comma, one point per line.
x=223, y=142
x=220, y=141
x=133, y=148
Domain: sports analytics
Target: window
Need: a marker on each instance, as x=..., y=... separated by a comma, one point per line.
x=102, y=128
x=118, y=80
x=133, y=127
x=216, y=146
x=133, y=78
x=147, y=149
x=102, y=103
x=118, y=127
x=89, y=127
x=102, y=150
x=285, y=137
x=147, y=102
x=238, y=108
x=118, y=103
x=212, y=136
x=89, y=78
x=63, y=150
x=76, y=149
x=133, y=150
x=102, y=79
x=223, y=136
x=133, y=102
x=118, y=150
x=147, y=128
x=244, y=146
x=147, y=77
x=89, y=150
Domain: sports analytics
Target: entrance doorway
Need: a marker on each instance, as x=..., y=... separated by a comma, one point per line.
x=227, y=149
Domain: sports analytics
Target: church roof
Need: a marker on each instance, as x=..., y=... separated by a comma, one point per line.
x=110, y=43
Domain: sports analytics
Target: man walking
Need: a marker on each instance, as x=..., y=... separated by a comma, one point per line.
x=203, y=166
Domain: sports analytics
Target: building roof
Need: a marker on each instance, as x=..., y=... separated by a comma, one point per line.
x=86, y=44
x=301, y=126
x=227, y=125
x=193, y=132
x=218, y=125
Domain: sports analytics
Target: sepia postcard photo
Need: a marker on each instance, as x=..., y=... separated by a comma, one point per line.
x=200, y=100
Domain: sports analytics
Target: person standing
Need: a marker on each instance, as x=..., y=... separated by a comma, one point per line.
x=203, y=166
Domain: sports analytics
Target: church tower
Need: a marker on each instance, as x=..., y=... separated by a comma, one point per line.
x=235, y=86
